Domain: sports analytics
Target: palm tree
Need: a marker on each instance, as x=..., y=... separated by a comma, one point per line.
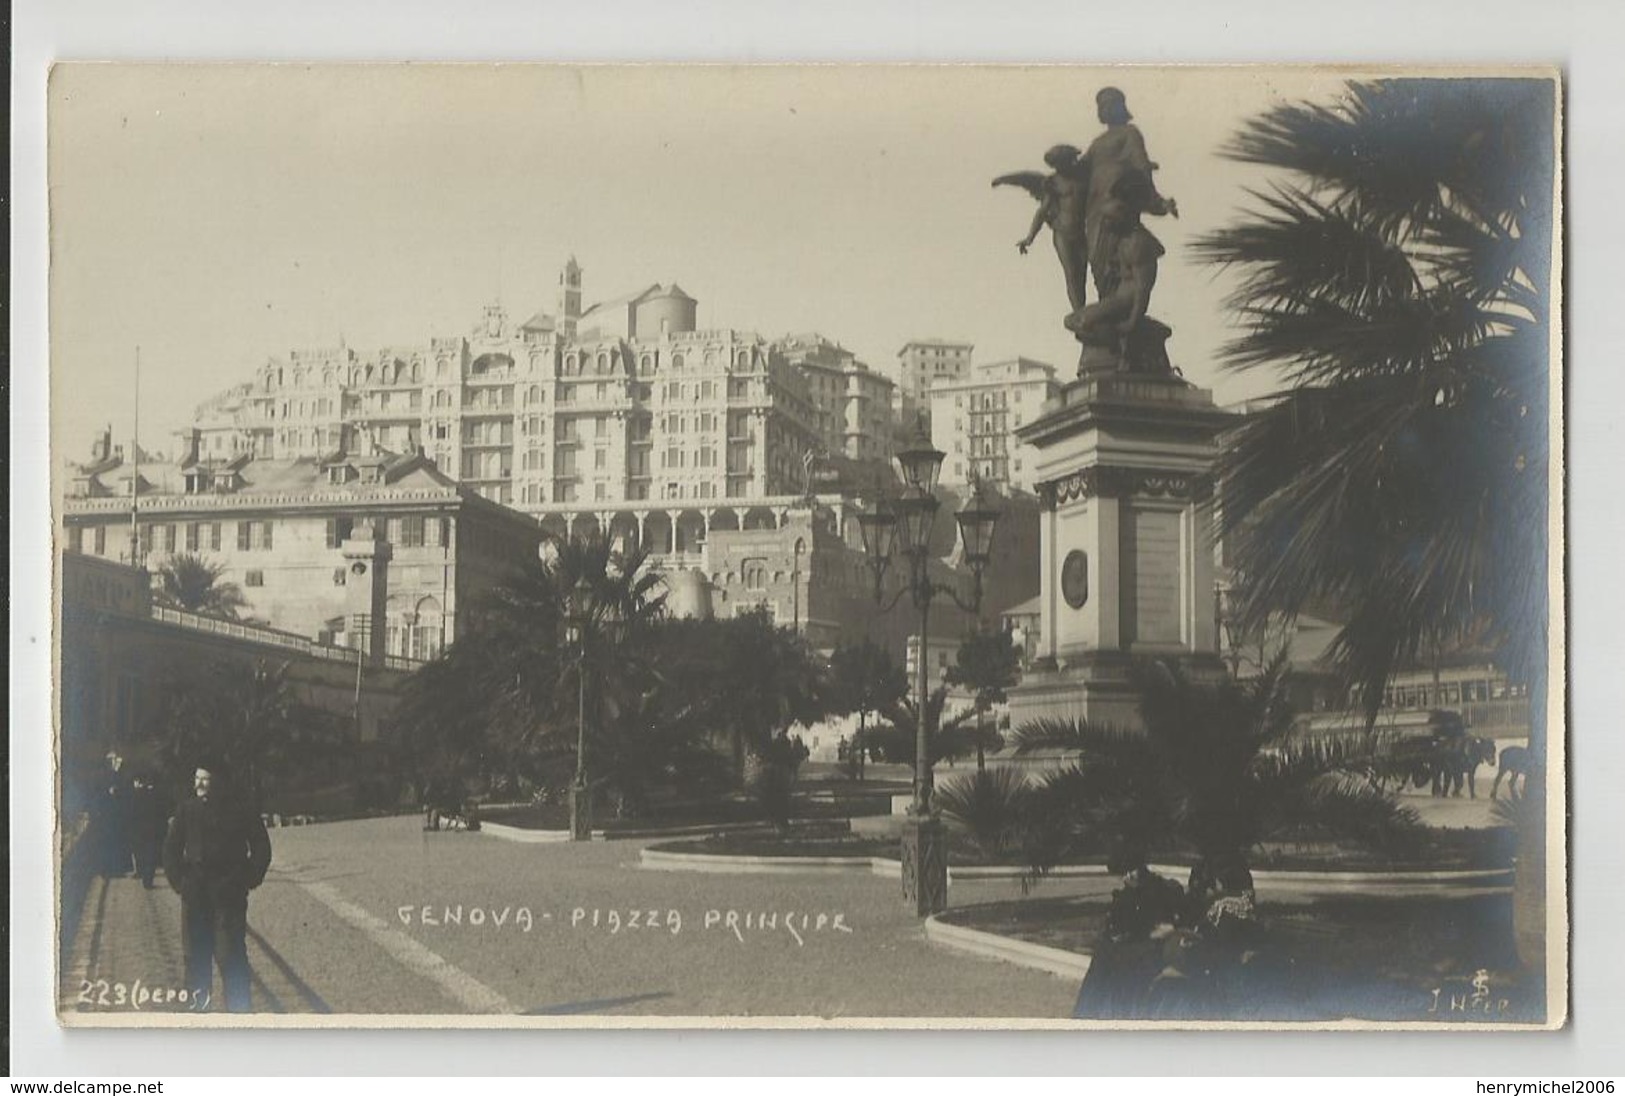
x=1402, y=282
x=1399, y=279
x=193, y=583
x=500, y=705
x=251, y=717
x=945, y=738
x=1218, y=769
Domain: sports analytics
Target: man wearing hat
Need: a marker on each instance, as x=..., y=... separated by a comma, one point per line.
x=215, y=852
x=110, y=817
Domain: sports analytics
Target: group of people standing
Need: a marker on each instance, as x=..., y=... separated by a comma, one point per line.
x=128, y=818
x=1171, y=952
x=213, y=849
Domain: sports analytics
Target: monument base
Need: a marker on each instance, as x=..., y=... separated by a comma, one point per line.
x=1097, y=686
x=1143, y=354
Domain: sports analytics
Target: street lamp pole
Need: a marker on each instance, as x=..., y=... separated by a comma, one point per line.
x=906, y=525
x=579, y=612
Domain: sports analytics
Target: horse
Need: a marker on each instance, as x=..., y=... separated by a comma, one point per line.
x=1462, y=761
x=1514, y=764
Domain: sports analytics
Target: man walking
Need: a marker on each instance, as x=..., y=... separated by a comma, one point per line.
x=216, y=851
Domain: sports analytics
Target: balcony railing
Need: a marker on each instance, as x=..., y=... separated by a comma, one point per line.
x=274, y=637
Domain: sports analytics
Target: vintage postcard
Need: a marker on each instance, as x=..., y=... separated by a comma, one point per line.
x=808, y=546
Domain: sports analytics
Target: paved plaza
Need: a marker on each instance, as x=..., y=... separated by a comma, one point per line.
x=380, y=917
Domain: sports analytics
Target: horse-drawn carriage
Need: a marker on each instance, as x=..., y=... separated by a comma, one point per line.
x=1441, y=755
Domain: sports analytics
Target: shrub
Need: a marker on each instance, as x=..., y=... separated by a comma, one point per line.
x=987, y=804
x=772, y=777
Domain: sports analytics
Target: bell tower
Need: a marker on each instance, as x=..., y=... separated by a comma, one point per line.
x=366, y=587
x=569, y=298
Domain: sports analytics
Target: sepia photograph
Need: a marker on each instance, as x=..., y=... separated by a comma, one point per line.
x=885, y=546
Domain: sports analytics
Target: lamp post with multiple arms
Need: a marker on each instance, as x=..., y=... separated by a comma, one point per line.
x=578, y=614
x=903, y=526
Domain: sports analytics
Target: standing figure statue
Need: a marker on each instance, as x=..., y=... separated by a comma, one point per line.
x=1119, y=169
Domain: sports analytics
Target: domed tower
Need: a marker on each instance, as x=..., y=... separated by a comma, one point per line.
x=569, y=298
x=688, y=595
x=664, y=310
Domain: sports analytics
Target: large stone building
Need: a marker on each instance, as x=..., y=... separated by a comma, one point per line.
x=974, y=421
x=625, y=401
x=724, y=453
x=291, y=532
x=852, y=404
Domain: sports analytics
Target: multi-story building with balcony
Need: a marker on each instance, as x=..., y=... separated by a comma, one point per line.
x=625, y=418
x=852, y=404
x=625, y=401
x=974, y=421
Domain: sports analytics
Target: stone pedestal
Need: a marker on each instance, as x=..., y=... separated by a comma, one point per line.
x=1124, y=467
x=580, y=813
x=925, y=865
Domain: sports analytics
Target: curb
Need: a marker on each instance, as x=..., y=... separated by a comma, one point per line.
x=1056, y=961
x=658, y=860
x=542, y=837
x=1386, y=884
x=529, y=837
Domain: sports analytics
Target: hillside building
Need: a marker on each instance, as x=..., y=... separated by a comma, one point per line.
x=974, y=421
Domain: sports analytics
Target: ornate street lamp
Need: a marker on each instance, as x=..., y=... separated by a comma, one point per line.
x=578, y=615
x=903, y=526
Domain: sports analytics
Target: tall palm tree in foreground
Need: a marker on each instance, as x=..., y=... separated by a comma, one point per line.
x=1401, y=278
x=1398, y=278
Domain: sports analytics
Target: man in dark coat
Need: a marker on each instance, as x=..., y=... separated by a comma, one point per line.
x=148, y=820
x=216, y=851
x=110, y=817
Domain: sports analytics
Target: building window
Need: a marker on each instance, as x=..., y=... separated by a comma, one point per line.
x=192, y=530
x=253, y=535
x=600, y=491
x=411, y=532
x=101, y=540
x=254, y=578
x=339, y=530
x=76, y=539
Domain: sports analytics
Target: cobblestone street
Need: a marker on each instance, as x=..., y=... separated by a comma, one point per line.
x=379, y=917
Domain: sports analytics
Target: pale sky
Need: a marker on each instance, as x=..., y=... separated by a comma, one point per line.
x=218, y=215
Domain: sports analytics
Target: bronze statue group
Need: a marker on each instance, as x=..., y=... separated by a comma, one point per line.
x=1093, y=200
